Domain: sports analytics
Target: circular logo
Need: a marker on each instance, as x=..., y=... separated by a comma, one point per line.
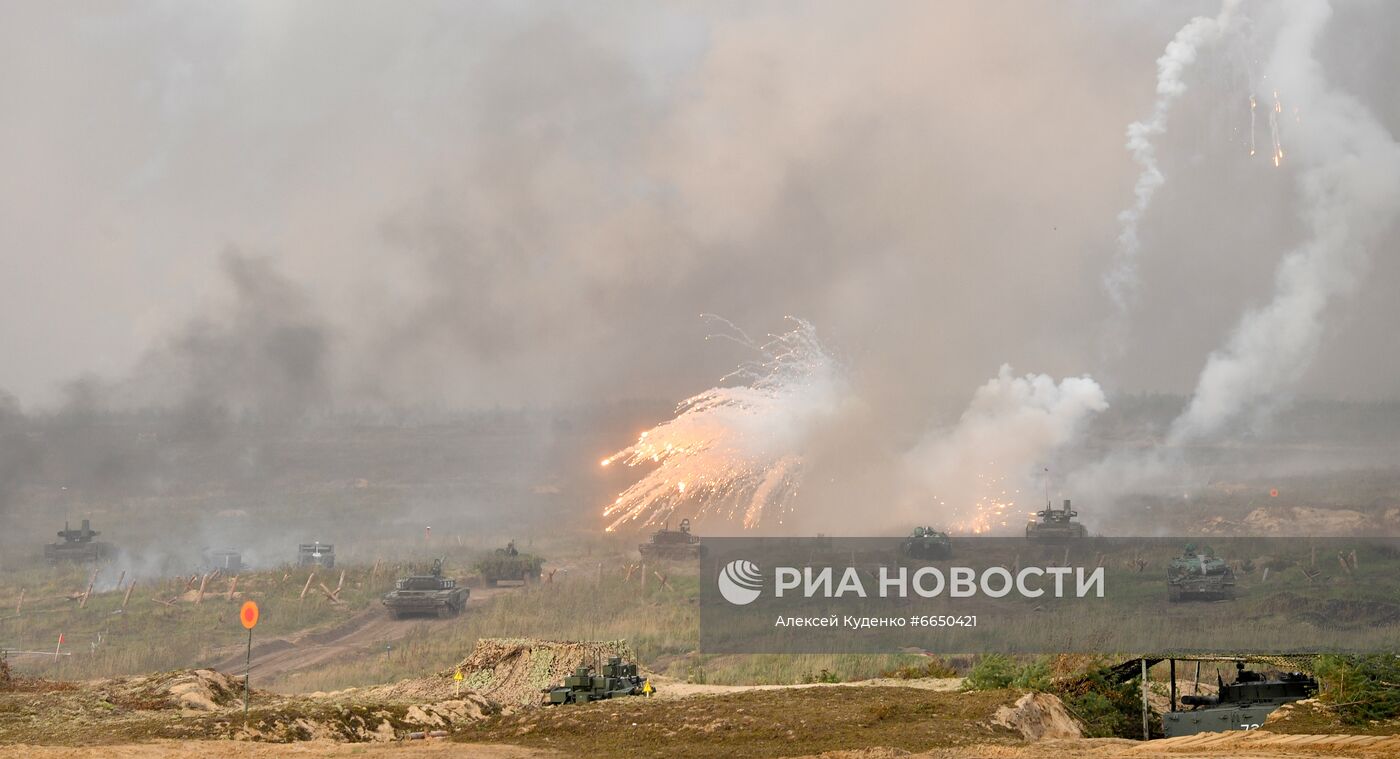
x=740, y=582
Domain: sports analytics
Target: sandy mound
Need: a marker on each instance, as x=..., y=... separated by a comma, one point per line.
x=514, y=671
x=197, y=689
x=1037, y=716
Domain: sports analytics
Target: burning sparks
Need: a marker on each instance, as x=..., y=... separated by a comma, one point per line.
x=989, y=512
x=734, y=453
x=1273, y=128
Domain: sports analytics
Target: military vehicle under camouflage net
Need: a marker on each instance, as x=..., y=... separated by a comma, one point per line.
x=77, y=545
x=582, y=686
x=927, y=544
x=316, y=554
x=426, y=594
x=1055, y=525
x=1199, y=575
x=1242, y=705
x=672, y=544
x=509, y=565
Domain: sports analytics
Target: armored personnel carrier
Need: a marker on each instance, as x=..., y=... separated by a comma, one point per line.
x=1241, y=705
x=927, y=544
x=1199, y=575
x=77, y=545
x=672, y=544
x=426, y=594
x=582, y=686
x=509, y=565
x=1055, y=525
x=316, y=554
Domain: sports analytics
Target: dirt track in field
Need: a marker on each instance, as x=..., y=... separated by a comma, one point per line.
x=355, y=636
x=1253, y=745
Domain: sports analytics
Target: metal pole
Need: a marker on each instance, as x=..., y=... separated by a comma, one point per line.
x=1173, y=676
x=1145, y=734
x=247, y=674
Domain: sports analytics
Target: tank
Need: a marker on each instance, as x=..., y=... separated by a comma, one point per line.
x=1055, y=525
x=77, y=545
x=426, y=594
x=1241, y=705
x=583, y=685
x=316, y=554
x=927, y=544
x=672, y=544
x=509, y=565
x=1199, y=575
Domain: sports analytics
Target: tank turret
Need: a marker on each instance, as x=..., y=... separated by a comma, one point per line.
x=672, y=544
x=77, y=545
x=426, y=594
x=1199, y=575
x=1052, y=525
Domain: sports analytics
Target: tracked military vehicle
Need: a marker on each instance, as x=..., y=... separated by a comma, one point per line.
x=316, y=554
x=1241, y=705
x=426, y=594
x=1055, y=525
x=582, y=686
x=77, y=545
x=926, y=544
x=1199, y=575
x=672, y=544
x=509, y=565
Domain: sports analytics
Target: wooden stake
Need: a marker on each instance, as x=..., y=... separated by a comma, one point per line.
x=88, y=592
x=20, y=604
x=329, y=593
x=309, y=578
x=232, y=585
x=644, y=578
x=121, y=580
x=202, y=582
x=664, y=582
x=340, y=584
x=127, y=597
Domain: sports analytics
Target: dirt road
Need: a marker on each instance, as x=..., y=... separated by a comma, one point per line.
x=1253, y=745
x=371, y=627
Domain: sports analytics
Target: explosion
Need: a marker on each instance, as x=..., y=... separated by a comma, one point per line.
x=734, y=452
x=994, y=500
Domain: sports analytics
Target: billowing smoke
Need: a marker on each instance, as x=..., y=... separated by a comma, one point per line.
x=1347, y=169
x=981, y=471
x=1122, y=279
x=735, y=453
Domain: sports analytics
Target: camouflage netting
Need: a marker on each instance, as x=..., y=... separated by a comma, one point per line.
x=515, y=671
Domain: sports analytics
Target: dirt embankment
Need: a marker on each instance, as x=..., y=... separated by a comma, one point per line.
x=515, y=671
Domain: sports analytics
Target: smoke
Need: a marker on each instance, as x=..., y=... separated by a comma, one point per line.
x=1011, y=430
x=1121, y=281
x=1347, y=177
x=736, y=453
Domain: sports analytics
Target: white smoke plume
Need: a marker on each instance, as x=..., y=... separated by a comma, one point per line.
x=1009, y=432
x=736, y=453
x=1348, y=182
x=1122, y=279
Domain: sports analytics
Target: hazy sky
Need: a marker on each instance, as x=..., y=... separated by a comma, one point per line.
x=475, y=203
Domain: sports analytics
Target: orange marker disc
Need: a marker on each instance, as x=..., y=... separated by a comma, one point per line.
x=248, y=615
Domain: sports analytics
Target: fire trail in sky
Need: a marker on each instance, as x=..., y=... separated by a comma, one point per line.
x=735, y=452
